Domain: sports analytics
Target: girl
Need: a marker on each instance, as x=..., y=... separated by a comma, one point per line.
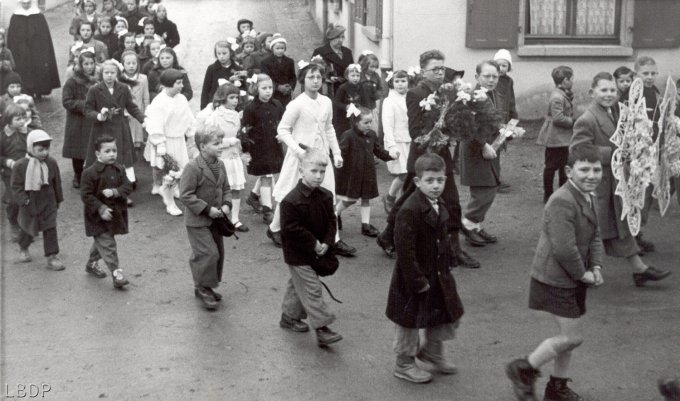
x=281, y=69
x=139, y=88
x=109, y=9
x=357, y=178
x=165, y=28
x=78, y=127
x=127, y=42
x=347, y=93
x=144, y=55
x=372, y=86
x=505, y=95
x=224, y=67
x=121, y=27
x=155, y=47
x=263, y=115
x=307, y=121
x=247, y=48
x=167, y=58
x=33, y=120
x=88, y=12
x=6, y=61
x=87, y=41
x=396, y=135
x=132, y=15
x=106, y=36
x=105, y=105
x=170, y=124
x=253, y=61
x=222, y=113
x=244, y=26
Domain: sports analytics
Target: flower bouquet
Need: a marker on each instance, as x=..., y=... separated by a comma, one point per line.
x=171, y=170
x=668, y=145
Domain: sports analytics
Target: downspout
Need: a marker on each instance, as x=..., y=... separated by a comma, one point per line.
x=387, y=36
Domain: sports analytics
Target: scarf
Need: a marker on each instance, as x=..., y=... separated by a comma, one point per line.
x=37, y=173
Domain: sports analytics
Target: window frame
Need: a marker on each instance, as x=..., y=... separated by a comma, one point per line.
x=371, y=29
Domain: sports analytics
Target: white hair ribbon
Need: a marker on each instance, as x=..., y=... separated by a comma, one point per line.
x=253, y=79
x=390, y=74
x=352, y=110
x=366, y=52
x=354, y=67
x=316, y=58
x=413, y=71
x=222, y=81
x=302, y=64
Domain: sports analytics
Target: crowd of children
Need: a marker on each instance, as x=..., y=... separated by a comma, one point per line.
x=126, y=90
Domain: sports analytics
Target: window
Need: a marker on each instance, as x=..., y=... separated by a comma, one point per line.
x=572, y=22
x=369, y=14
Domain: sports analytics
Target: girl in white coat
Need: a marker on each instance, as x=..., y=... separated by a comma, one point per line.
x=396, y=135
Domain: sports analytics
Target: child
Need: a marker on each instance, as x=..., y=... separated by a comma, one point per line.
x=244, y=26
x=139, y=88
x=33, y=120
x=556, y=131
x=7, y=64
x=165, y=28
x=106, y=36
x=253, y=61
x=595, y=126
x=505, y=89
x=205, y=195
x=169, y=124
x=78, y=127
x=372, y=85
x=348, y=93
x=624, y=78
x=109, y=9
x=308, y=234
x=104, y=191
x=87, y=40
x=105, y=105
x=357, y=178
x=281, y=69
x=88, y=13
x=306, y=122
x=396, y=136
x=167, y=58
x=128, y=42
x=155, y=47
x=263, y=115
x=12, y=149
x=36, y=188
x=423, y=292
x=13, y=84
x=247, y=48
x=224, y=67
x=222, y=113
x=133, y=16
x=568, y=259
x=121, y=26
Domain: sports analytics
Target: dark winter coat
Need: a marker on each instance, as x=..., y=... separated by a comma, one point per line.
x=214, y=72
x=505, y=98
x=371, y=90
x=266, y=151
x=307, y=216
x=95, y=180
x=29, y=39
x=357, y=178
x=336, y=65
x=155, y=86
x=282, y=71
x=424, y=256
x=78, y=127
x=116, y=125
x=253, y=62
x=11, y=147
x=347, y=93
x=133, y=18
x=475, y=170
x=7, y=65
x=168, y=31
x=111, y=41
x=200, y=190
x=37, y=209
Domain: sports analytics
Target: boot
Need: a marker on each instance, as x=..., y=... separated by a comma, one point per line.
x=406, y=369
x=432, y=353
x=557, y=390
x=53, y=263
x=670, y=388
x=119, y=281
x=523, y=377
x=325, y=336
x=169, y=201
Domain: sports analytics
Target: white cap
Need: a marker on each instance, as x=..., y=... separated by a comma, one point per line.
x=277, y=38
x=503, y=54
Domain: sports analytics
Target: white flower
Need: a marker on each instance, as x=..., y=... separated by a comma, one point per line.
x=463, y=96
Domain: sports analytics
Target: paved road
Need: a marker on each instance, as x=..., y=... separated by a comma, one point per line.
x=155, y=342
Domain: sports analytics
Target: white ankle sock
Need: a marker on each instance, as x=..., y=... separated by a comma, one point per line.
x=365, y=214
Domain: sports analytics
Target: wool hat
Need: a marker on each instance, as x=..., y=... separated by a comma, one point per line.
x=277, y=38
x=13, y=78
x=503, y=54
x=37, y=136
x=334, y=31
x=170, y=76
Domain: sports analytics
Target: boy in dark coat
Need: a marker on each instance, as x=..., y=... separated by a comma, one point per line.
x=12, y=149
x=281, y=69
x=36, y=188
x=104, y=191
x=308, y=228
x=423, y=291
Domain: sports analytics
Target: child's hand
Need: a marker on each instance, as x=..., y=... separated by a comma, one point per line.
x=488, y=152
x=394, y=154
x=337, y=161
x=9, y=163
x=320, y=248
x=588, y=278
x=103, y=114
x=108, y=193
x=160, y=149
x=215, y=213
x=106, y=214
x=226, y=210
x=597, y=273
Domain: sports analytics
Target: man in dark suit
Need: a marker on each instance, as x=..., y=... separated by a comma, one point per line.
x=433, y=71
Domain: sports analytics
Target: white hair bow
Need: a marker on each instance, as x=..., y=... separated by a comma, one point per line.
x=252, y=80
x=87, y=50
x=302, y=64
x=366, y=52
x=141, y=21
x=76, y=46
x=413, y=71
x=352, y=110
x=237, y=83
x=316, y=58
x=242, y=93
x=222, y=81
x=122, y=33
x=354, y=67
x=139, y=39
x=390, y=74
x=117, y=63
x=25, y=97
x=250, y=33
x=234, y=44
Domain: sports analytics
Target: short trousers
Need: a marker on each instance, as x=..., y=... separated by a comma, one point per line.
x=564, y=302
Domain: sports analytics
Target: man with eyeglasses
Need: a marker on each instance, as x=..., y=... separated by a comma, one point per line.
x=433, y=73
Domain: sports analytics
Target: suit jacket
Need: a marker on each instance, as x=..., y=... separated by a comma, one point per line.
x=558, y=125
x=200, y=190
x=595, y=127
x=569, y=243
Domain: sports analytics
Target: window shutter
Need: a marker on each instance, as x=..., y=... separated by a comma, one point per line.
x=360, y=11
x=655, y=24
x=492, y=24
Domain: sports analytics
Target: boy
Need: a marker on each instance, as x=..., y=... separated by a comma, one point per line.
x=12, y=148
x=568, y=258
x=104, y=190
x=624, y=78
x=308, y=226
x=204, y=191
x=556, y=131
x=423, y=291
x=596, y=126
x=36, y=188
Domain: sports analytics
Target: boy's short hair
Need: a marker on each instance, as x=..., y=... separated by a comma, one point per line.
x=623, y=70
x=644, y=60
x=11, y=111
x=102, y=140
x=601, y=76
x=211, y=131
x=560, y=73
x=583, y=152
x=433, y=54
x=429, y=162
x=314, y=156
x=478, y=68
x=105, y=18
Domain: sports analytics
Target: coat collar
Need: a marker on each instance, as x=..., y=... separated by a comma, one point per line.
x=305, y=190
x=602, y=118
x=588, y=210
x=431, y=217
x=203, y=165
x=328, y=53
x=99, y=166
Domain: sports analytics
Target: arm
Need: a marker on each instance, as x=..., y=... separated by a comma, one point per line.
x=91, y=111
x=249, y=120
x=146, y=100
x=584, y=132
x=559, y=119
x=56, y=180
x=188, y=183
x=388, y=119
x=292, y=77
x=131, y=107
x=69, y=99
x=125, y=188
x=379, y=151
x=226, y=190
x=294, y=231
x=596, y=249
x=89, y=195
x=17, y=182
x=285, y=128
x=512, y=109
x=187, y=91
x=329, y=131
x=560, y=224
x=341, y=99
x=329, y=238
x=414, y=113
x=172, y=38
x=405, y=239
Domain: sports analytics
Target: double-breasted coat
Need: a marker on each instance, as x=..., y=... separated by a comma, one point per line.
x=356, y=179
x=117, y=124
x=423, y=243
x=37, y=209
x=95, y=180
x=78, y=126
x=266, y=152
x=475, y=170
x=213, y=73
x=347, y=93
x=282, y=71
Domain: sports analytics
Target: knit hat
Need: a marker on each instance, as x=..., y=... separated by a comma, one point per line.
x=170, y=76
x=503, y=54
x=277, y=38
x=36, y=136
x=334, y=31
x=13, y=78
x=243, y=21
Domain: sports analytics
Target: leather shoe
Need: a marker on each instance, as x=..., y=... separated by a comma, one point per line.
x=275, y=237
x=208, y=299
x=466, y=261
x=216, y=295
x=386, y=246
x=369, y=230
x=342, y=249
x=651, y=274
x=326, y=336
x=490, y=239
x=94, y=269
x=504, y=188
x=295, y=325
x=473, y=238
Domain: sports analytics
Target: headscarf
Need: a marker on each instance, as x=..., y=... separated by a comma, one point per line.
x=37, y=172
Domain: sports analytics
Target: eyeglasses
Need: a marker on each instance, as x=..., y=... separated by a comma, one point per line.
x=437, y=70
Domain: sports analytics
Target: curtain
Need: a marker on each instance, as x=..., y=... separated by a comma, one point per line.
x=548, y=17
x=595, y=17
